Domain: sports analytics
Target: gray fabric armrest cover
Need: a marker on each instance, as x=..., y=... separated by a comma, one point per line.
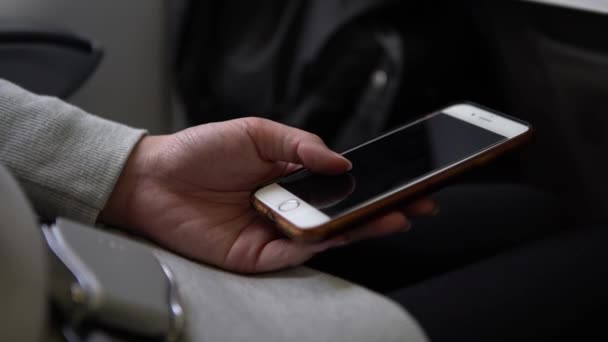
x=300, y=304
x=66, y=160
x=23, y=287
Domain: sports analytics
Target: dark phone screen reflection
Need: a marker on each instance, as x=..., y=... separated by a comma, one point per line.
x=391, y=162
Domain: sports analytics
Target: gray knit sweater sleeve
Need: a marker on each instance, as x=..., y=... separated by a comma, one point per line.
x=66, y=160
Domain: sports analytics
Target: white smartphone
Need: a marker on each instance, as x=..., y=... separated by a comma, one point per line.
x=398, y=166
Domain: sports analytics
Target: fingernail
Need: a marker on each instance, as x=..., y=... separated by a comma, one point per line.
x=407, y=227
x=350, y=164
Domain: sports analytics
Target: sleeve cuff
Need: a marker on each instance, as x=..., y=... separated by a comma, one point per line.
x=66, y=160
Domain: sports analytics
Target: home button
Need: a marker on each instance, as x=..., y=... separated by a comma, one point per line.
x=289, y=205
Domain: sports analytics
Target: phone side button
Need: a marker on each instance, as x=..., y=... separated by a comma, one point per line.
x=289, y=205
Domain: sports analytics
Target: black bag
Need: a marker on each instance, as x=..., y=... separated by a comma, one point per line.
x=318, y=65
x=332, y=67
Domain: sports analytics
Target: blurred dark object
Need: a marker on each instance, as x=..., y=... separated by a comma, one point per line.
x=345, y=70
x=45, y=60
x=552, y=69
x=317, y=65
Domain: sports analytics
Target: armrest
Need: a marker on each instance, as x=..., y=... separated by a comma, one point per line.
x=300, y=304
x=46, y=60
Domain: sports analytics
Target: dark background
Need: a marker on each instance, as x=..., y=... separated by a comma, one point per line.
x=315, y=65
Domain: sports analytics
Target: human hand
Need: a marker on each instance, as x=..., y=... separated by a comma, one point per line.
x=190, y=192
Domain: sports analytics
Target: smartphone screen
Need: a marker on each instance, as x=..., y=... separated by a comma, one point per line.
x=392, y=162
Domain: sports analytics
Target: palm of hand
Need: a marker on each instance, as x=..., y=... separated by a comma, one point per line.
x=198, y=201
x=191, y=192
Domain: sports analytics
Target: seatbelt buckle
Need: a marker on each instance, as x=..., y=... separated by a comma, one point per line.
x=103, y=280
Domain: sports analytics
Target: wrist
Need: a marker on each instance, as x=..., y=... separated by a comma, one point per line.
x=119, y=207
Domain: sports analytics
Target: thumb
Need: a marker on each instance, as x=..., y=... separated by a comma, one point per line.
x=277, y=142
